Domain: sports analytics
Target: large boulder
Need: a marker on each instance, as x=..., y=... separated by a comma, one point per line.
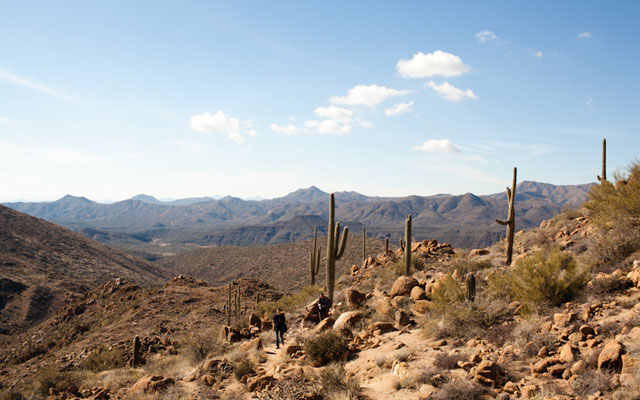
x=418, y=293
x=151, y=384
x=384, y=307
x=610, y=356
x=403, y=285
x=347, y=319
x=324, y=325
x=354, y=298
x=252, y=345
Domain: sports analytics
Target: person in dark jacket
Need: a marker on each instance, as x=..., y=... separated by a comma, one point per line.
x=324, y=305
x=280, y=326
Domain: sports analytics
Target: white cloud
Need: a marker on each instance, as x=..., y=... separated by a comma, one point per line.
x=438, y=63
x=222, y=123
x=287, y=130
x=585, y=35
x=370, y=95
x=335, y=113
x=399, y=109
x=31, y=84
x=450, y=92
x=438, y=146
x=327, y=127
x=538, y=54
x=485, y=36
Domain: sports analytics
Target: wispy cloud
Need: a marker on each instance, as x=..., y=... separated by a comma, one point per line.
x=450, y=92
x=222, y=123
x=287, y=130
x=485, y=36
x=399, y=109
x=538, y=54
x=367, y=95
x=585, y=35
x=32, y=84
x=438, y=146
x=438, y=63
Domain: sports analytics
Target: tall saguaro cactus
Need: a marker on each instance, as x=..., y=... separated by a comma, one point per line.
x=314, y=257
x=335, y=246
x=386, y=246
x=229, y=304
x=407, y=245
x=603, y=176
x=511, y=217
x=470, y=287
x=364, y=244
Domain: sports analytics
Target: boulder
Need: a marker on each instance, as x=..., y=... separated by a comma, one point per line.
x=151, y=384
x=292, y=349
x=479, y=252
x=384, y=307
x=487, y=373
x=421, y=306
x=252, y=345
x=567, y=353
x=259, y=382
x=254, y=320
x=418, y=293
x=610, y=356
x=354, y=298
x=347, y=319
x=403, y=319
x=403, y=285
x=324, y=325
x=380, y=328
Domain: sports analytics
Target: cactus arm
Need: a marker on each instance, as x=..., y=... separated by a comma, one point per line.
x=343, y=243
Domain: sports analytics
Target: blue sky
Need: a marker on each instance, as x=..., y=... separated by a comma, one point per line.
x=188, y=98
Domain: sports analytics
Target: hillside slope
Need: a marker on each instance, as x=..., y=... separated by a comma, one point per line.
x=42, y=263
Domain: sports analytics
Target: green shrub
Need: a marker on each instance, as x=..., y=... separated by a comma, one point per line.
x=447, y=292
x=548, y=277
x=326, y=348
x=103, y=359
x=244, y=367
x=51, y=378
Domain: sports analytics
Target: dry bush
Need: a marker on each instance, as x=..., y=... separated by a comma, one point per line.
x=590, y=381
x=548, y=277
x=461, y=390
x=606, y=285
x=244, y=367
x=448, y=361
x=11, y=395
x=326, y=348
x=530, y=338
x=202, y=343
x=291, y=302
x=402, y=355
x=114, y=379
x=51, y=378
x=382, y=362
x=105, y=358
x=169, y=366
x=463, y=263
x=418, y=379
x=336, y=384
x=609, y=328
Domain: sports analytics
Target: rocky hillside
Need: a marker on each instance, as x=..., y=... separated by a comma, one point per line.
x=42, y=264
x=146, y=223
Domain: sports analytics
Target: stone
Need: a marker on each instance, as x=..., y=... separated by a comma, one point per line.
x=634, y=276
x=292, y=348
x=324, y=325
x=562, y=319
x=487, y=373
x=403, y=285
x=259, y=382
x=354, y=298
x=380, y=328
x=479, y=252
x=254, y=320
x=151, y=384
x=252, y=345
x=510, y=387
x=418, y=293
x=403, y=319
x=567, y=353
x=610, y=356
x=557, y=370
x=422, y=306
x=587, y=330
x=630, y=364
x=540, y=366
x=578, y=367
x=384, y=307
x=529, y=391
x=347, y=319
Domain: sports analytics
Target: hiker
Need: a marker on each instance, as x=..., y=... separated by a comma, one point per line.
x=280, y=326
x=324, y=305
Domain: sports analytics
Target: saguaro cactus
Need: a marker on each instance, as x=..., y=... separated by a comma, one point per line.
x=314, y=257
x=229, y=304
x=603, y=176
x=136, y=359
x=364, y=244
x=335, y=247
x=238, y=304
x=386, y=246
x=511, y=217
x=470, y=287
x=407, y=246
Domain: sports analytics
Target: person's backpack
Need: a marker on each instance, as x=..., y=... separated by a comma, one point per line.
x=284, y=328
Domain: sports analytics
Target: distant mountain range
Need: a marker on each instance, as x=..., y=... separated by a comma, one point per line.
x=464, y=220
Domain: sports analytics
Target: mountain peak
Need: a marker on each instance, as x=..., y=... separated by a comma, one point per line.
x=305, y=195
x=145, y=198
x=72, y=199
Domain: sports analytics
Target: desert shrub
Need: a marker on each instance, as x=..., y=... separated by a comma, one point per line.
x=464, y=264
x=414, y=381
x=381, y=361
x=336, y=384
x=548, y=277
x=51, y=378
x=460, y=390
x=326, y=348
x=589, y=382
x=615, y=210
x=12, y=395
x=402, y=355
x=447, y=292
x=448, y=361
x=530, y=338
x=291, y=302
x=607, y=284
x=104, y=358
x=244, y=367
x=202, y=343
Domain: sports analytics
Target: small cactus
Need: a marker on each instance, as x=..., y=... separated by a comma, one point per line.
x=407, y=246
x=470, y=287
x=511, y=217
x=335, y=247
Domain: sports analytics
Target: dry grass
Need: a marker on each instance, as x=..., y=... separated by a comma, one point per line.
x=336, y=385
